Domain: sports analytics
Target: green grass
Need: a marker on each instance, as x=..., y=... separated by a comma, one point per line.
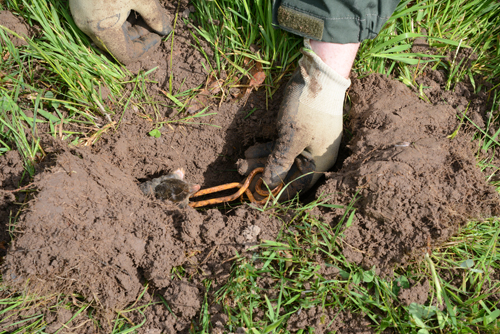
x=30, y=312
x=448, y=27
x=54, y=81
x=489, y=142
x=291, y=266
x=240, y=31
x=52, y=86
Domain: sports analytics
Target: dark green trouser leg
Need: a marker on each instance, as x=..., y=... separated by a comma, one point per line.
x=333, y=21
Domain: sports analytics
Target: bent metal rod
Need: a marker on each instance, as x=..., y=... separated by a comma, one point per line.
x=243, y=189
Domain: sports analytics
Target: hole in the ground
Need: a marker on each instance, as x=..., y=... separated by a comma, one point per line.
x=310, y=195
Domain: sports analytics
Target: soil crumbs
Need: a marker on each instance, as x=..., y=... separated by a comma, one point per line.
x=90, y=230
x=16, y=24
x=413, y=184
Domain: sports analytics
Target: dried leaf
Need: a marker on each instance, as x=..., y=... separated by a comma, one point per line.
x=257, y=77
x=202, y=99
x=215, y=87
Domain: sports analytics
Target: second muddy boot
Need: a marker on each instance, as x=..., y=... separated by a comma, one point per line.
x=105, y=22
x=310, y=126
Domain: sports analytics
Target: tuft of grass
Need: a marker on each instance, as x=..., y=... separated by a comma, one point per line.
x=489, y=142
x=240, y=31
x=278, y=279
x=27, y=312
x=54, y=82
x=447, y=27
x=72, y=70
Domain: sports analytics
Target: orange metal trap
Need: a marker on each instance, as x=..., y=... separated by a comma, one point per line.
x=243, y=189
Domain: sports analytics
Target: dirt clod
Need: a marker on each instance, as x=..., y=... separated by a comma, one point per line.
x=17, y=25
x=415, y=294
x=413, y=182
x=251, y=233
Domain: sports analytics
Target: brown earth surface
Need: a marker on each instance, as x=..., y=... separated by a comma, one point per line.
x=90, y=230
x=414, y=184
x=16, y=24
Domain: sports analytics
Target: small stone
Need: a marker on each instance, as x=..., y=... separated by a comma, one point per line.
x=251, y=233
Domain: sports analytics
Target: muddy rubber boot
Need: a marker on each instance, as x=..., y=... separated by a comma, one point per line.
x=105, y=22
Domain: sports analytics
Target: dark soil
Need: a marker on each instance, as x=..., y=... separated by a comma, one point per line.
x=90, y=229
x=16, y=24
x=11, y=170
x=414, y=184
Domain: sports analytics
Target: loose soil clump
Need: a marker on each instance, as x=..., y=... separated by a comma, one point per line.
x=17, y=25
x=414, y=184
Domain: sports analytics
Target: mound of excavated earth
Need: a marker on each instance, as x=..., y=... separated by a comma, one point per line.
x=413, y=182
x=90, y=229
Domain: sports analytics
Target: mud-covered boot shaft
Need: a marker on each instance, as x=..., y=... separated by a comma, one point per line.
x=105, y=22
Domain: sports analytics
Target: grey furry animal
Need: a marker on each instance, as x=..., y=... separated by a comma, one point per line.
x=171, y=187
